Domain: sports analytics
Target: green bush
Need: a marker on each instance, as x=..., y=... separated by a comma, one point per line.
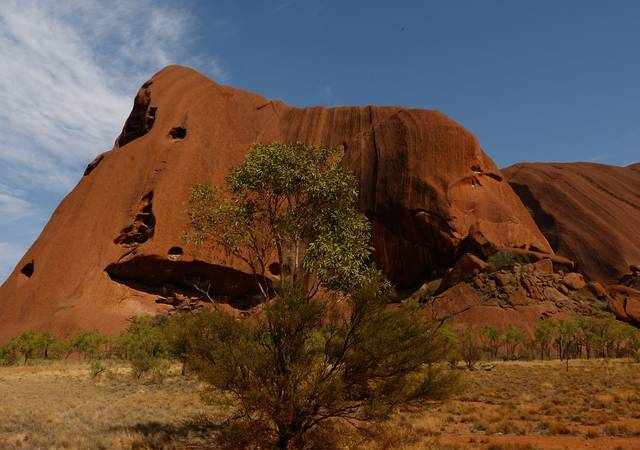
x=492, y=341
x=469, y=346
x=143, y=344
x=90, y=345
x=452, y=345
x=514, y=340
x=304, y=363
x=96, y=368
x=178, y=332
x=506, y=260
x=30, y=345
x=7, y=356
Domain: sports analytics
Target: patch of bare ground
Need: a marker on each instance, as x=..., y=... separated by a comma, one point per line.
x=514, y=406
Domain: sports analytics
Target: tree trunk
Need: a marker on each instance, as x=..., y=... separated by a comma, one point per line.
x=283, y=441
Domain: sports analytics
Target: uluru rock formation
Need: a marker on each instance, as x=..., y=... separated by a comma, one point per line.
x=588, y=212
x=114, y=243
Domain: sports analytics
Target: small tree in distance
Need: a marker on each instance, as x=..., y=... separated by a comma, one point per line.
x=308, y=360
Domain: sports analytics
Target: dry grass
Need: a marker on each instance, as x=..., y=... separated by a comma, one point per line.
x=595, y=404
x=59, y=406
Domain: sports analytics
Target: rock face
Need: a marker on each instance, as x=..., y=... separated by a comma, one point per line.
x=113, y=245
x=520, y=296
x=589, y=213
x=625, y=304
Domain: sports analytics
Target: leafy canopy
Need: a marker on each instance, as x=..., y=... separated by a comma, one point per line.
x=291, y=203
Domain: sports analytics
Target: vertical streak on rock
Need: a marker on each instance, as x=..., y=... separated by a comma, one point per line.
x=376, y=161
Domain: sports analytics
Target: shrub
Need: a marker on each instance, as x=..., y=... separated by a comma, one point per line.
x=634, y=346
x=514, y=338
x=96, y=368
x=452, y=345
x=308, y=360
x=304, y=363
x=506, y=260
x=492, y=338
x=30, y=344
x=469, y=346
x=7, y=356
x=543, y=336
x=143, y=344
x=568, y=339
x=90, y=344
x=178, y=331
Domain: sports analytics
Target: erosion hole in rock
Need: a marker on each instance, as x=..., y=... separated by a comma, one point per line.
x=178, y=133
x=275, y=269
x=148, y=197
x=28, y=269
x=192, y=279
x=175, y=251
x=141, y=118
x=143, y=226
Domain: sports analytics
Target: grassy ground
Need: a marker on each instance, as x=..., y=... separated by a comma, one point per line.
x=593, y=404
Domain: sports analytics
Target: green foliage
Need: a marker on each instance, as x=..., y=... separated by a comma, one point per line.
x=574, y=337
x=292, y=203
x=514, y=338
x=90, y=344
x=308, y=361
x=29, y=345
x=492, y=337
x=506, y=260
x=634, y=346
x=143, y=344
x=543, y=337
x=451, y=343
x=96, y=368
x=7, y=356
x=178, y=332
x=469, y=346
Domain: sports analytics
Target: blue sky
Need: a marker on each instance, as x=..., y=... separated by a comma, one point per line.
x=534, y=80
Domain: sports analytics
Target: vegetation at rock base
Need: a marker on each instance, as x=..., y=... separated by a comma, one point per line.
x=580, y=337
x=505, y=260
x=310, y=360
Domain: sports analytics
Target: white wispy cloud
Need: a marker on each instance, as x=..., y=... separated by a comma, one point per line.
x=9, y=251
x=68, y=74
x=13, y=207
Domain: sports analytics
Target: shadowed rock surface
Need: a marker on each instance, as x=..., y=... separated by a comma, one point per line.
x=521, y=296
x=589, y=212
x=430, y=191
